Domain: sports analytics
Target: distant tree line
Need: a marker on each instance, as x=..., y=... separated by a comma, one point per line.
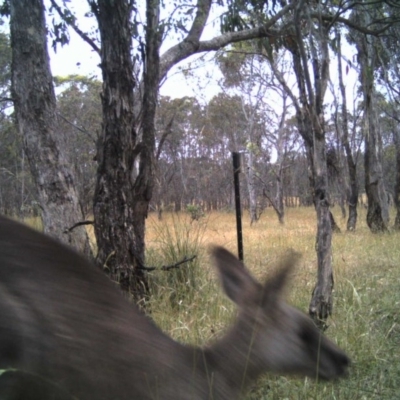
x=194, y=161
x=121, y=153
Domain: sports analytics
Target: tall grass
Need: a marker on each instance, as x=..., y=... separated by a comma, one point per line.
x=190, y=306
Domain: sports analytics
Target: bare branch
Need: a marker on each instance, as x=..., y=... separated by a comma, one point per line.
x=77, y=127
x=375, y=32
x=81, y=223
x=167, y=131
x=167, y=267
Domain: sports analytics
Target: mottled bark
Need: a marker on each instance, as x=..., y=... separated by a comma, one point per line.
x=119, y=221
x=35, y=107
x=277, y=201
x=396, y=140
x=352, y=197
x=321, y=304
x=310, y=119
x=125, y=176
x=254, y=216
x=378, y=206
x=144, y=184
x=279, y=205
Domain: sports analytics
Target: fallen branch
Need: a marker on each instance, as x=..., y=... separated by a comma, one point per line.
x=167, y=267
x=68, y=230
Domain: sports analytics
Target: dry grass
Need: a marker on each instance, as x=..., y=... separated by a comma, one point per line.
x=189, y=305
x=366, y=320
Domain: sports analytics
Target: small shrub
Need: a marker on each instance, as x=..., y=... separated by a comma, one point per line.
x=195, y=212
x=176, y=241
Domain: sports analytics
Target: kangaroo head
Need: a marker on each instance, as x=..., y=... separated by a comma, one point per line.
x=279, y=337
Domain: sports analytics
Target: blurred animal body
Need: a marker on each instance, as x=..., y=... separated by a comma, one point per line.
x=67, y=333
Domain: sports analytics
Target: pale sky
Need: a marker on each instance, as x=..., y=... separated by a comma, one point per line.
x=78, y=58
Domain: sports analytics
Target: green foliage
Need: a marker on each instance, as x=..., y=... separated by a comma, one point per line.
x=80, y=119
x=5, y=8
x=243, y=14
x=81, y=80
x=5, y=75
x=60, y=34
x=59, y=29
x=195, y=211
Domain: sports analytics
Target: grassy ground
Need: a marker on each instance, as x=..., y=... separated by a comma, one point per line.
x=189, y=305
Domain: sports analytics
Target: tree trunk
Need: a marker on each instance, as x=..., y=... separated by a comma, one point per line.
x=396, y=140
x=123, y=192
x=310, y=119
x=280, y=207
x=251, y=188
x=277, y=202
x=35, y=106
x=378, y=206
x=321, y=301
x=352, y=167
x=119, y=232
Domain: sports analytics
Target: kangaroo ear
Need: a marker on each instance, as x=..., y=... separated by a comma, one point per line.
x=273, y=287
x=237, y=282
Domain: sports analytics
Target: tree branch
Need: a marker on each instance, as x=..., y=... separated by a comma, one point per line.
x=77, y=127
x=192, y=45
x=167, y=267
x=81, y=223
x=75, y=27
x=335, y=18
x=167, y=131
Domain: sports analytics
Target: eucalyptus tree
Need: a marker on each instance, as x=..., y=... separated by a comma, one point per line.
x=5, y=73
x=343, y=128
x=227, y=121
x=79, y=126
x=308, y=43
x=180, y=125
x=194, y=165
x=14, y=177
x=306, y=37
x=311, y=36
x=241, y=76
x=126, y=156
x=372, y=28
x=35, y=109
x=389, y=77
x=394, y=113
x=389, y=125
x=378, y=207
x=267, y=107
x=18, y=195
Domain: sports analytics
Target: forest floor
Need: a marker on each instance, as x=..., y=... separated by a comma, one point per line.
x=188, y=303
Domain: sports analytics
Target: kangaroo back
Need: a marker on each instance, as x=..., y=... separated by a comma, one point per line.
x=66, y=332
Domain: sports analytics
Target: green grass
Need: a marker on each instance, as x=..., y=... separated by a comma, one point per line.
x=366, y=319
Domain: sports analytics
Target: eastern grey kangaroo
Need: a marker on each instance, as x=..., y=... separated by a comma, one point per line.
x=67, y=333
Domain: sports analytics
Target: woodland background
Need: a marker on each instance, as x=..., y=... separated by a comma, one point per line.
x=316, y=127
